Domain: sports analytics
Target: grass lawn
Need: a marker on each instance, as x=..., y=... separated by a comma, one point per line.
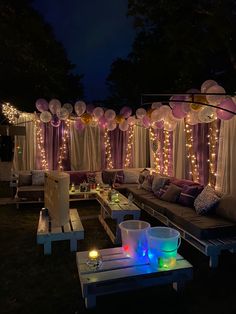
x=34, y=283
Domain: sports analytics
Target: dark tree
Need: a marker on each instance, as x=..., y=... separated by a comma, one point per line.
x=179, y=45
x=32, y=63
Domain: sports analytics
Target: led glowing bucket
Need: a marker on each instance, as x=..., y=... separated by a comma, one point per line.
x=163, y=243
x=134, y=238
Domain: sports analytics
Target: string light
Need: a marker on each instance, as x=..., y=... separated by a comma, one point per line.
x=212, y=142
x=194, y=172
x=129, y=146
x=166, y=151
x=11, y=113
x=63, y=147
x=107, y=144
x=156, y=158
x=40, y=144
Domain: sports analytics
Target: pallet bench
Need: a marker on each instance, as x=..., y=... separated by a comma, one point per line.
x=47, y=233
x=212, y=248
x=119, y=273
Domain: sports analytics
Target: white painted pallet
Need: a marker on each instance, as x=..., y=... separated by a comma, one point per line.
x=120, y=273
x=48, y=233
x=211, y=247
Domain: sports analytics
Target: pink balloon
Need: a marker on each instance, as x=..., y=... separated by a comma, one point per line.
x=146, y=121
x=176, y=100
x=102, y=122
x=178, y=112
x=228, y=104
x=41, y=104
x=126, y=112
x=79, y=125
x=159, y=124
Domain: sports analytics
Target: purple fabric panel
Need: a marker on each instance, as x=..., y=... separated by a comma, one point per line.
x=200, y=140
x=118, y=140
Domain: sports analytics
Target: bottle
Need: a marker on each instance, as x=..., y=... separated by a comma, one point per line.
x=109, y=195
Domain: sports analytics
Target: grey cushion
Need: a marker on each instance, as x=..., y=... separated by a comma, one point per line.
x=172, y=193
x=158, y=182
x=25, y=178
x=38, y=177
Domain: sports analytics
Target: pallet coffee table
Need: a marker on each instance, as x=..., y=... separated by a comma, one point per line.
x=119, y=273
x=47, y=233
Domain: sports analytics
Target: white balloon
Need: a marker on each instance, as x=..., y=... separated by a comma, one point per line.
x=80, y=107
x=192, y=118
x=156, y=105
x=45, y=116
x=169, y=125
x=140, y=113
x=123, y=126
x=98, y=112
x=93, y=123
x=207, y=84
x=54, y=105
x=156, y=115
x=215, y=99
x=207, y=114
x=111, y=125
x=69, y=107
x=63, y=114
x=110, y=114
x=131, y=120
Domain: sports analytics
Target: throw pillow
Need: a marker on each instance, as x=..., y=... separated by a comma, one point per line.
x=188, y=194
x=147, y=183
x=171, y=194
x=131, y=176
x=91, y=177
x=227, y=207
x=142, y=175
x=38, y=177
x=161, y=191
x=112, y=176
x=25, y=179
x=183, y=182
x=158, y=182
x=206, y=200
x=98, y=177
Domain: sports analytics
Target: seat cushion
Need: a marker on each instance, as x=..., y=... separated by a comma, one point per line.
x=32, y=192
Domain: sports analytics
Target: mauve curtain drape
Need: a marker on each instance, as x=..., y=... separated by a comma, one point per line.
x=118, y=140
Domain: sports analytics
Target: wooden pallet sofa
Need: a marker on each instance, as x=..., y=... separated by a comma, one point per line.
x=210, y=233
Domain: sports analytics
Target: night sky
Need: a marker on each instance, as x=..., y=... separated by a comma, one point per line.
x=94, y=33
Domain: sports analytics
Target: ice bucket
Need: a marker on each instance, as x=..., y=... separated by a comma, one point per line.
x=134, y=238
x=163, y=243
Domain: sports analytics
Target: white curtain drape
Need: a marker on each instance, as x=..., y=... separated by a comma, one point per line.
x=86, y=148
x=226, y=165
x=141, y=150
x=179, y=151
x=25, y=146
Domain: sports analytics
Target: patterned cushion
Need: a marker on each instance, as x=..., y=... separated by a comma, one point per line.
x=171, y=194
x=91, y=177
x=158, y=182
x=188, y=194
x=183, y=182
x=161, y=191
x=147, y=183
x=38, y=177
x=206, y=200
x=142, y=175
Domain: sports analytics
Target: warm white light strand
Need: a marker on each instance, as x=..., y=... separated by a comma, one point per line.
x=108, y=150
x=156, y=158
x=212, y=142
x=129, y=146
x=40, y=144
x=63, y=148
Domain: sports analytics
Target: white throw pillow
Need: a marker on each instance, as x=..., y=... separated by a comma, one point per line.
x=131, y=176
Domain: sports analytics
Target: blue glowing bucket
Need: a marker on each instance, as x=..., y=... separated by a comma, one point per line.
x=163, y=243
x=134, y=238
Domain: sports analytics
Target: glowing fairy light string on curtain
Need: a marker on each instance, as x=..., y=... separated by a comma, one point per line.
x=166, y=152
x=194, y=172
x=129, y=146
x=40, y=144
x=155, y=150
x=107, y=144
x=63, y=148
x=212, y=142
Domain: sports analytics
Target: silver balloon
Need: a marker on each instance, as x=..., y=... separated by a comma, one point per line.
x=45, y=116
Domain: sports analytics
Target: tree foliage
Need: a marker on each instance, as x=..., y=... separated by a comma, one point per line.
x=32, y=63
x=178, y=45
